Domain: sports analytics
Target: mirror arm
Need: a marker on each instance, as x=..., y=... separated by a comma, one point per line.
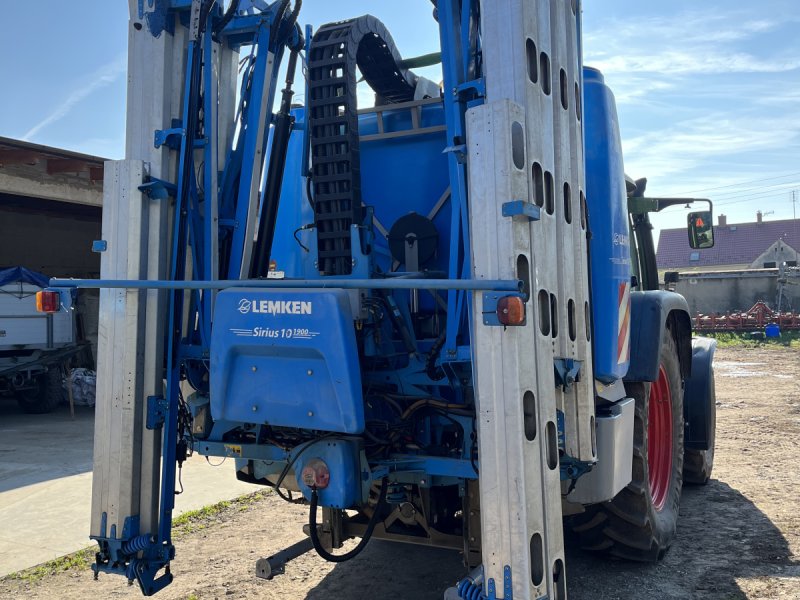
x=638, y=206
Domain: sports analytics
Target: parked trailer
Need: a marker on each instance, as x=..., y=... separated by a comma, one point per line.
x=424, y=343
x=38, y=344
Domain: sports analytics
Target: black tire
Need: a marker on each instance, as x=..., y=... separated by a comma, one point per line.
x=631, y=526
x=47, y=394
x=698, y=464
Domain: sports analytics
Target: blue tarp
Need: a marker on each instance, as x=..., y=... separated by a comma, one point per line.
x=23, y=275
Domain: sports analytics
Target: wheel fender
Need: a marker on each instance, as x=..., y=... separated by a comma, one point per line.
x=650, y=313
x=699, y=399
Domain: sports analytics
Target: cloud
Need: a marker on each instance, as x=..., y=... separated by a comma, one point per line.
x=697, y=42
x=683, y=62
x=104, y=76
x=700, y=141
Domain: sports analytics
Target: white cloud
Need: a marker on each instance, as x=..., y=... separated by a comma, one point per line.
x=104, y=76
x=696, y=61
x=685, y=44
x=688, y=144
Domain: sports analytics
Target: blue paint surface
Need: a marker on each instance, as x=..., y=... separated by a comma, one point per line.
x=286, y=358
x=606, y=199
x=341, y=457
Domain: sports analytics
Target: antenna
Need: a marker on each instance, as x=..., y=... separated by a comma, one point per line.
x=794, y=223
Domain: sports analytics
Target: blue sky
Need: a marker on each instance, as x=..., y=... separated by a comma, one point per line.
x=708, y=93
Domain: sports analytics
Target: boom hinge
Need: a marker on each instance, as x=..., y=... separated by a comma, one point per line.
x=567, y=371
x=158, y=189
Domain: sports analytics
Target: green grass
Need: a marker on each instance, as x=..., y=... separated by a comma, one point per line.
x=788, y=339
x=79, y=560
x=196, y=520
x=188, y=522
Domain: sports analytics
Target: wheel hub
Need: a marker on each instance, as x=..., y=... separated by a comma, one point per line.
x=659, y=439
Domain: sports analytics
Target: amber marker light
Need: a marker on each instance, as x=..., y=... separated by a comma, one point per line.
x=47, y=302
x=511, y=311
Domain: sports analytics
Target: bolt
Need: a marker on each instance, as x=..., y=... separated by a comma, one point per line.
x=255, y=408
x=422, y=482
x=255, y=368
x=310, y=413
x=310, y=372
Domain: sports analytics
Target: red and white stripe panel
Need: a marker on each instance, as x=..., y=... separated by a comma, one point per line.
x=624, y=324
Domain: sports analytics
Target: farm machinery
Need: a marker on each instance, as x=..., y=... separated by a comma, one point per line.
x=435, y=320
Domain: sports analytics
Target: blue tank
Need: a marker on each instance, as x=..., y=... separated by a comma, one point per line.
x=606, y=201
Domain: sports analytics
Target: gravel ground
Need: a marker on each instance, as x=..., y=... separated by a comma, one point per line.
x=738, y=537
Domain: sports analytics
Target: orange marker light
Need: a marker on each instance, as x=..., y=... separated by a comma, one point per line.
x=47, y=302
x=511, y=311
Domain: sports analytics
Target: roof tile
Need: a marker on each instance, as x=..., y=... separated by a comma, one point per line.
x=734, y=244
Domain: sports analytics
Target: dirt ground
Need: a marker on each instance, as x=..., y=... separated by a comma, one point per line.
x=738, y=537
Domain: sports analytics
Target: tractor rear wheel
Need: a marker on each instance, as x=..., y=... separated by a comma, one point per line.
x=46, y=395
x=640, y=522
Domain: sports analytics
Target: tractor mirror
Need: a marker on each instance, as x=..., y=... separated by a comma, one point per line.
x=701, y=230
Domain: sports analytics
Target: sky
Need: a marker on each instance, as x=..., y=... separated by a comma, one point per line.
x=708, y=93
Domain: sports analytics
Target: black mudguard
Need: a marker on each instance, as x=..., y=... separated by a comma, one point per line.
x=699, y=399
x=650, y=313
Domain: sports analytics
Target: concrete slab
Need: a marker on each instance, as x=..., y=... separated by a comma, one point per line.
x=46, y=482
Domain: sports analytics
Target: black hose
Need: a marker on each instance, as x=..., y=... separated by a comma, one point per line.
x=373, y=521
x=284, y=6
x=226, y=18
x=275, y=172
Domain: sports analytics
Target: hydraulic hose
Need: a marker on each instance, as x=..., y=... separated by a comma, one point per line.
x=275, y=173
x=373, y=521
x=227, y=17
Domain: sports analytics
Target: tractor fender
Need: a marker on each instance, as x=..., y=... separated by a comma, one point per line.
x=651, y=311
x=699, y=399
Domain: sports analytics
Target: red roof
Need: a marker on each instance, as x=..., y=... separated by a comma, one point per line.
x=734, y=244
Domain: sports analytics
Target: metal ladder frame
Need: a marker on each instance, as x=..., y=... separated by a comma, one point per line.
x=524, y=145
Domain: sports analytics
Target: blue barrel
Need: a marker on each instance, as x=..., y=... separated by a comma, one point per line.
x=607, y=206
x=773, y=330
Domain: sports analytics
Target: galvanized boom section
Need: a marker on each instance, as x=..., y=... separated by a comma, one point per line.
x=127, y=455
x=132, y=499
x=528, y=221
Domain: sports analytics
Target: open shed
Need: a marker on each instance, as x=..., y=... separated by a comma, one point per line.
x=50, y=213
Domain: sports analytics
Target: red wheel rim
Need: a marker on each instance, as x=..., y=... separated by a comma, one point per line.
x=659, y=439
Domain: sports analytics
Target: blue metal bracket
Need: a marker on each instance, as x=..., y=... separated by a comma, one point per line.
x=490, y=300
x=157, y=410
x=476, y=85
x=158, y=189
x=522, y=210
x=568, y=371
x=99, y=246
x=508, y=590
x=572, y=469
x=171, y=138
